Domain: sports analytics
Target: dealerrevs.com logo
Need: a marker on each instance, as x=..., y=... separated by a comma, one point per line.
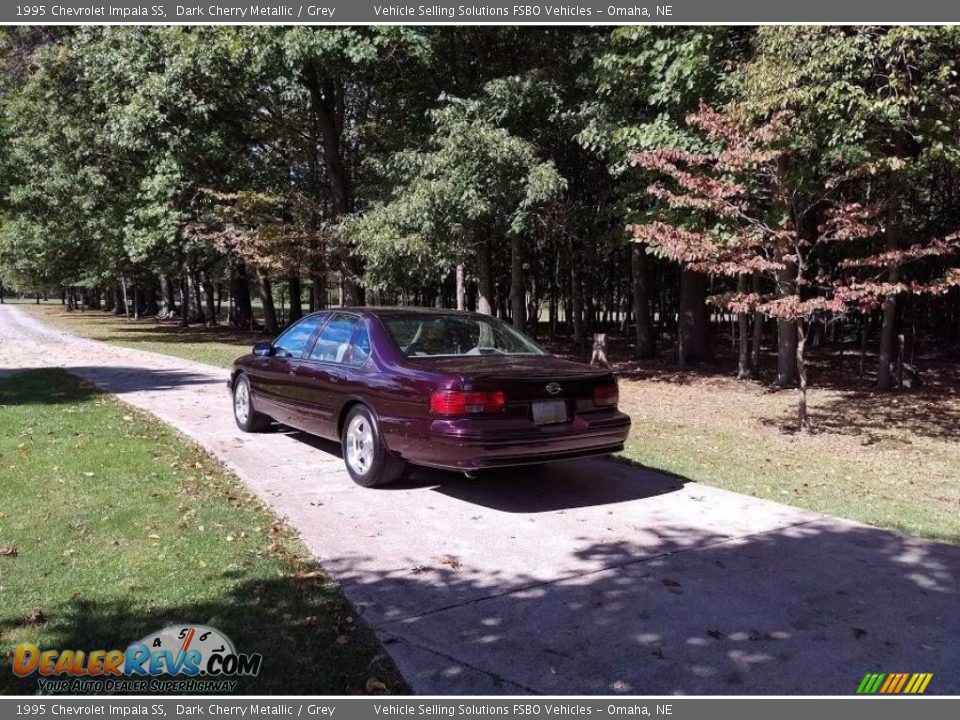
x=179, y=658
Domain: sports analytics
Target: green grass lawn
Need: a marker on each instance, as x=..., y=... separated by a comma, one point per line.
x=113, y=526
x=901, y=495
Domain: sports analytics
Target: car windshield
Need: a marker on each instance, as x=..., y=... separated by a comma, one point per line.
x=454, y=335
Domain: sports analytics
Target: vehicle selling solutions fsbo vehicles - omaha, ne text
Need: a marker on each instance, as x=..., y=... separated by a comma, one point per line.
x=438, y=388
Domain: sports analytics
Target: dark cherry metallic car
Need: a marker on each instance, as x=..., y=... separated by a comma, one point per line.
x=443, y=389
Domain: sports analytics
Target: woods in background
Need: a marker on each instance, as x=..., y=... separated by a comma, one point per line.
x=650, y=182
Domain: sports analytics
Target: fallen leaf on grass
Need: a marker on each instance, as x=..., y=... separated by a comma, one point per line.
x=9, y=551
x=88, y=474
x=374, y=685
x=36, y=617
x=309, y=575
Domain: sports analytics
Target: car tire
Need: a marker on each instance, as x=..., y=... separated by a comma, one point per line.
x=368, y=462
x=246, y=417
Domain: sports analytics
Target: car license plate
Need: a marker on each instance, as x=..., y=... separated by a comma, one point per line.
x=547, y=412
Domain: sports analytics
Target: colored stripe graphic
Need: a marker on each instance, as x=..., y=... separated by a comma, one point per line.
x=891, y=682
x=894, y=683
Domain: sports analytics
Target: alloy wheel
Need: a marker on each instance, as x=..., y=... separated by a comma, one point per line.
x=359, y=445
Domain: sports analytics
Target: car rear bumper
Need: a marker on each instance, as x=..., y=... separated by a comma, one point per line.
x=473, y=444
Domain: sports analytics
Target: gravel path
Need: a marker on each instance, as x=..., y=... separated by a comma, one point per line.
x=587, y=577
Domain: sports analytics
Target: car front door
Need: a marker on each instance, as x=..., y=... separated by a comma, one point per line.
x=275, y=384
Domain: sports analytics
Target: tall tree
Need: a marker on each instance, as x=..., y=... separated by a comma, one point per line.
x=879, y=102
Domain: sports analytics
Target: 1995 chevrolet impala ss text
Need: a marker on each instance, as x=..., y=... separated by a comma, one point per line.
x=444, y=389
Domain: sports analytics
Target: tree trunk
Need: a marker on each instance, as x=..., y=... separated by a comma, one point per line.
x=554, y=306
x=123, y=287
x=149, y=293
x=758, y=322
x=269, y=309
x=694, y=319
x=957, y=319
x=646, y=348
x=518, y=309
x=318, y=291
x=576, y=301
x=485, y=284
x=786, y=335
x=135, y=291
x=744, y=368
x=888, y=332
x=210, y=301
x=197, y=300
x=168, y=303
x=461, y=287
x=240, y=294
x=119, y=305
x=803, y=419
x=533, y=307
x=184, y=300
x=327, y=100
x=786, y=353
x=296, y=305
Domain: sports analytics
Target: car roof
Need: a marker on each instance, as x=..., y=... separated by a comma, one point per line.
x=386, y=311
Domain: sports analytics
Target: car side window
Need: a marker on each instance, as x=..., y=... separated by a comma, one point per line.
x=359, y=346
x=333, y=345
x=293, y=341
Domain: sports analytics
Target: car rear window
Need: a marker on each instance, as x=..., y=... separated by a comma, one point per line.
x=452, y=335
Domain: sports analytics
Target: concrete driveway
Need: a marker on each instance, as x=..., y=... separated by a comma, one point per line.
x=593, y=576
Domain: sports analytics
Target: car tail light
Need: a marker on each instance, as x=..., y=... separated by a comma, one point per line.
x=606, y=395
x=458, y=402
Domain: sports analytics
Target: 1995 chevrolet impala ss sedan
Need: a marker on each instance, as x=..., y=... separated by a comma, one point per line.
x=443, y=389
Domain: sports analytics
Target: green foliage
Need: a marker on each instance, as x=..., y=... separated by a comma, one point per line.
x=475, y=181
x=390, y=153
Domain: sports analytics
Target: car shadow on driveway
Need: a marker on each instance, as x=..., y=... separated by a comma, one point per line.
x=532, y=488
x=122, y=380
x=558, y=486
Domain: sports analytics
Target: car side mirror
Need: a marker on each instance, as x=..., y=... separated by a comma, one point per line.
x=263, y=349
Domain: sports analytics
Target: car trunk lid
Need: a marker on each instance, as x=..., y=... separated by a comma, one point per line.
x=534, y=385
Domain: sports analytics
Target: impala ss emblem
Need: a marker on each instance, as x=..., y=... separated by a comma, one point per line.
x=554, y=388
